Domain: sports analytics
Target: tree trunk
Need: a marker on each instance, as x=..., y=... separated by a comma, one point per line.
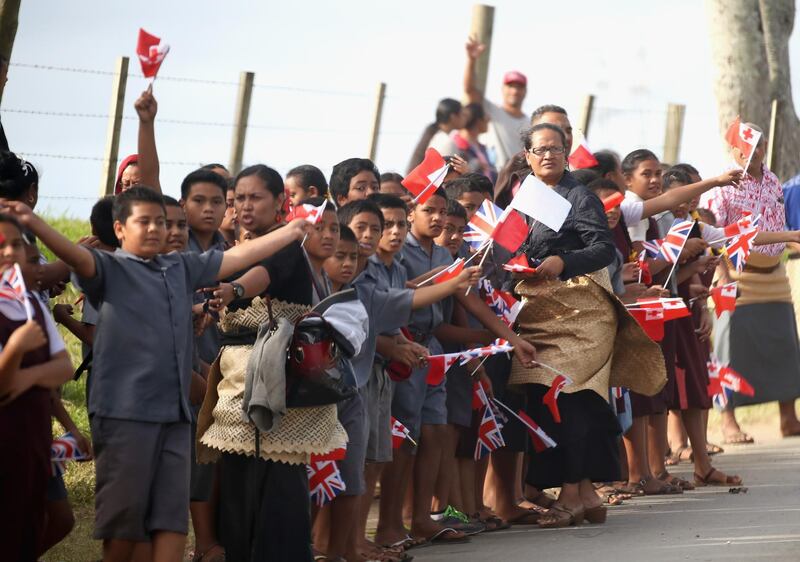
x=778, y=22
x=9, y=18
x=749, y=45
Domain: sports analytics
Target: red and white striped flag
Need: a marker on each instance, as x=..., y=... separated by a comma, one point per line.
x=724, y=297
x=151, y=51
x=426, y=178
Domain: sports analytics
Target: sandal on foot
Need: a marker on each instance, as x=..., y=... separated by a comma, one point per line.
x=408, y=543
x=665, y=489
x=675, y=481
x=493, y=523
x=448, y=535
x=559, y=516
x=680, y=455
x=738, y=438
x=712, y=449
x=729, y=480
x=596, y=515
x=528, y=517
x=542, y=499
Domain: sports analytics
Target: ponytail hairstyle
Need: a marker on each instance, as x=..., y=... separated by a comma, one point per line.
x=444, y=111
x=17, y=176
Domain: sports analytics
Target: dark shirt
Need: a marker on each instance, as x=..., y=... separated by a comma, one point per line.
x=207, y=343
x=584, y=241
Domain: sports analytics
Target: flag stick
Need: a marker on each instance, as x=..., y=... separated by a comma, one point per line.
x=556, y=371
x=435, y=275
x=304, y=239
x=472, y=374
x=433, y=181
x=483, y=259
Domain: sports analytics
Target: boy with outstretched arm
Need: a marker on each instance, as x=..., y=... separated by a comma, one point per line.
x=139, y=403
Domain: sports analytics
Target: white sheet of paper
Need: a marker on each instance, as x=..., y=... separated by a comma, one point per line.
x=541, y=203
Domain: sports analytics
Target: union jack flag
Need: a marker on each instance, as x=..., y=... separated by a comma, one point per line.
x=724, y=381
x=738, y=249
x=482, y=224
x=653, y=247
x=673, y=242
x=550, y=398
x=489, y=436
x=498, y=346
x=63, y=449
x=12, y=287
x=324, y=481
x=503, y=304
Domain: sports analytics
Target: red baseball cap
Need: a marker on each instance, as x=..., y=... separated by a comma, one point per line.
x=514, y=77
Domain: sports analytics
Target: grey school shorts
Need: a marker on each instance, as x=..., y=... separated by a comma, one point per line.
x=353, y=416
x=416, y=403
x=378, y=399
x=201, y=479
x=142, y=482
x=459, y=396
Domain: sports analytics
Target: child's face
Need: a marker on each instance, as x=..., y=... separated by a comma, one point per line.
x=367, y=228
x=257, y=210
x=322, y=240
x=612, y=215
x=229, y=220
x=471, y=201
x=341, y=266
x=362, y=184
x=144, y=232
x=177, y=230
x=396, y=189
x=427, y=219
x=295, y=192
x=32, y=269
x=12, y=247
x=395, y=228
x=452, y=235
x=645, y=180
x=205, y=207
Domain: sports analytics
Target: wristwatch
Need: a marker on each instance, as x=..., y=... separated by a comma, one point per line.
x=238, y=290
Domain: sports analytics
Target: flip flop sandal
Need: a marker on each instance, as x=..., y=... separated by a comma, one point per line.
x=633, y=490
x=738, y=438
x=542, y=499
x=675, y=481
x=558, y=517
x=529, y=517
x=678, y=456
x=703, y=481
x=408, y=543
x=493, y=523
x=665, y=490
x=441, y=537
x=712, y=449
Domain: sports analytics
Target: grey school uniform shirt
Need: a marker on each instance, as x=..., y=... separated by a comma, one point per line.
x=143, y=343
x=208, y=343
x=388, y=309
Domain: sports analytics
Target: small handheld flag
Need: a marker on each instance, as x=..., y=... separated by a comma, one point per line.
x=511, y=230
x=673, y=242
x=502, y=303
x=426, y=178
x=311, y=213
x=724, y=298
x=653, y=247
x=613, y=201
x=743, y=137
x=324, y=481
x=550, y=398
x=400, y=433
x=580, y=157
x=651, y=320
x=151, y=51
x=489, y=436
x=738, y=249
x=540, y=439
x=519, y=264
x=482, y=224
x=438, y=365
x=12, y=287
x=541, y=203
x=63, y=449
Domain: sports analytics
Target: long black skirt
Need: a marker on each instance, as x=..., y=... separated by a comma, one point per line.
x=264, y=513
x=587, y=440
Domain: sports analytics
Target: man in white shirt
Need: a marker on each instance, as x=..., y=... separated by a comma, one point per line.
x=507, y=121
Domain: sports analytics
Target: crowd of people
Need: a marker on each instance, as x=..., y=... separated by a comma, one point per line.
x=199, y=414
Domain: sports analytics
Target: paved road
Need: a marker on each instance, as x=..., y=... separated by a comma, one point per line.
x=707, y=524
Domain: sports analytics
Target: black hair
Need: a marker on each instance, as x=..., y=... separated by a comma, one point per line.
x=388, y=201
x=548, y=108
x=17, y=176
x=454, y=209
x=170, y=201
x=102, y=221
x=346, y=234
x=585, y=176
x=12, y=220
x=675, y=175
x=445, y=109
x=607, y=162
x=468, y=183
x=602, y=184
x=124, y=202
x=214, y=165
x=202, y=175
x=272, y=179
x=308, y=176
x=347, y=212
x=543, y=127
x=391, y=177
x=474, y=113
x=345, y=171
x=632, y=160
x=688, y=168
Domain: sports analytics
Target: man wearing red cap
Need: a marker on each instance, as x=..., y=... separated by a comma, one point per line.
x=507, y=121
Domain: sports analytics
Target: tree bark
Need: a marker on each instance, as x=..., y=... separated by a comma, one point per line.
x=750, y=52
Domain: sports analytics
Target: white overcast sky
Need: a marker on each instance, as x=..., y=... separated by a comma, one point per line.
x=317, y=65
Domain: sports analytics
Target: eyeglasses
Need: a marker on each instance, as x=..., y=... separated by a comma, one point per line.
x=542, y=150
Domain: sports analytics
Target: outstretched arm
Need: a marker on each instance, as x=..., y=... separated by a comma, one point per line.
x=474, y=50
x=147, y=107
x=686, y=193
x=243, y=256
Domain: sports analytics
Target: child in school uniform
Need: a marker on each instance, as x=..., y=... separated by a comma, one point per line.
x=341, y=266
x=321, y=245
x=352, y=180
x=139, y=400
x=305, y=182
x=32, y=362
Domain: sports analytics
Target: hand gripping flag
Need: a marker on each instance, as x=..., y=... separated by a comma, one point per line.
x=63, y=449
x=151, y=51
x=581, y=156
x=426, y=178
x=502, y=303
x=438, y=365
x=400, y=433
x=550, y=398
x=613, y=201
x=12, y=287
x=498, y=346
x=311, y=213
x=651, y=320
x=489, y=436
x=324, y=481
x=724, y=298
x=511, y=230
x=519, y=264
x=673, y=242
x=482, y=224
x=743, y=137
x=451, y=272
x=738, y=249
x=653, y=247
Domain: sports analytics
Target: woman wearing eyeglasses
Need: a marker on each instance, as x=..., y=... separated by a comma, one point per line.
x=581, y=330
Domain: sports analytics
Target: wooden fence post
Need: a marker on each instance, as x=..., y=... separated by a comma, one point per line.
x=674, y=130
x=585, y=117
x=481, y=28
x=772, y=151
x=376, y=120
x=111, y=154
x=240, y=120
